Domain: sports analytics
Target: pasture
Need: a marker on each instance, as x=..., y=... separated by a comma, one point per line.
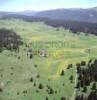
x=40, y=77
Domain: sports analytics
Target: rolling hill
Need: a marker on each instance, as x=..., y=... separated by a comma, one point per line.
x=83, y=15
x=27, y=13
x=77, y=14
x=26, y=74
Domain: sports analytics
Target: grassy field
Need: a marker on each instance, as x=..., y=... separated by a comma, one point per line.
x=62, y=48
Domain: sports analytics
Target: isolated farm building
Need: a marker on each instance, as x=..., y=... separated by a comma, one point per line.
x=43, y=53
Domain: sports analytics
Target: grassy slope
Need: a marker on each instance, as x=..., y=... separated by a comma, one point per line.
x=74, y=50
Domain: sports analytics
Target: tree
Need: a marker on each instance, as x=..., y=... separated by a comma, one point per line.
x=69, y=66
x=63, y=98
x=31, y=56
x=51, y=91
x=94, y=86
x=46, y=98
x=71, y=79
x=35, y=65
x=62, y=73
x=84, y=89
x=1, y=49
x=31, y=79
x=83, y=63
x=40, y=86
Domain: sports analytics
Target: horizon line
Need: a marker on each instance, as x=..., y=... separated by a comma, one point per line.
x=47, y=9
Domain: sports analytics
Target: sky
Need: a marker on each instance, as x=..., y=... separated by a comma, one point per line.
x=38, y=5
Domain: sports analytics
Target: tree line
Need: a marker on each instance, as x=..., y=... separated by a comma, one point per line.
x=73, y=26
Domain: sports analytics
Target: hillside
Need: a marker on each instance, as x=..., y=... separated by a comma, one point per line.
x=28, y=13
x=44, y=67
x=76, y=20
x=73, y=26
x=77, y=14
x=82, y=15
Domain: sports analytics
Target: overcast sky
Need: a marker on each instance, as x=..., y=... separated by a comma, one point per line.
x=20, y=5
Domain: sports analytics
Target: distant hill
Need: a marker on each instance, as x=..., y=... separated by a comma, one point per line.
x=83, y=15
x=74, y=26
x=94, y=8
x=2, y=13
x=76, y=14
x=76, y=20
x=27, y=13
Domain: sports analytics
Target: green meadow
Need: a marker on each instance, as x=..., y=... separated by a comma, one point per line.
x=40, y=77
